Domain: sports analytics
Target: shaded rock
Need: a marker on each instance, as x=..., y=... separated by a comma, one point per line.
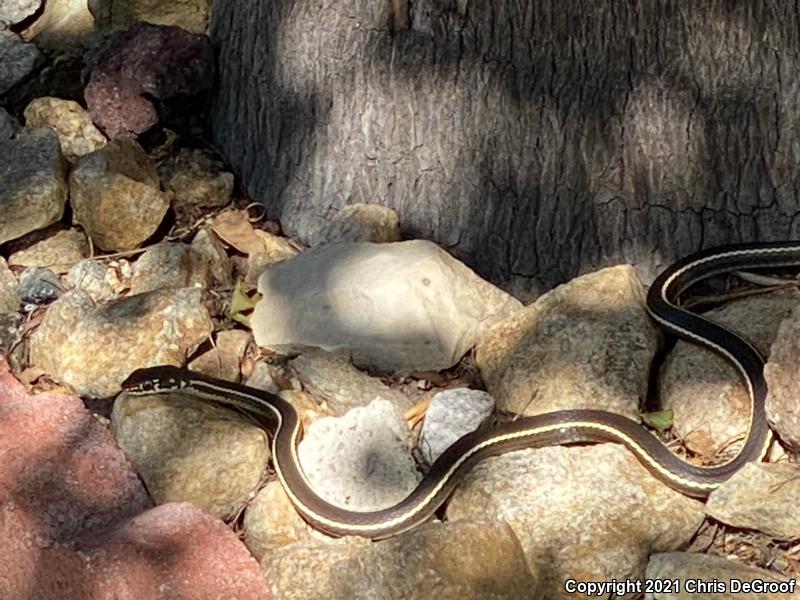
x=333, y=379
x=224, y=359
x=91, y=276
x=762, y=497
x=32, y=187
x=578, y=525
x=8, y=125
x=116, y=197
x=261, y=378
x=206, y=244
x=687, y=567
x=73, y=125
x=586, y=344
x=62, y=468
x=189, y=14
x=9, y=289
x=783, y=381
x=155, y=328
x=362, y=223
x=372, y=470
x=57, y=252
x=15, y=11
x=38, y=285
x=9, y=331
x=63, y=25
x=187, y=450
x=451, y=561
x=170, y=265
x=272, y=522
x=197, y=180
x=452, y=414
x=393, y=307
x=152, y=60
x=704, y=391
x=17, y=59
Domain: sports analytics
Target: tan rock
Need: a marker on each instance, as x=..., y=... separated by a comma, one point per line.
x=223, y=361
x=362, y=223
x=170, y=265
x=71, y=122
x=94, y=348
x=783, y=381
x=585, y=344
x=9, y=289
x=187, y=450
x=116, y=197
x=58, y=252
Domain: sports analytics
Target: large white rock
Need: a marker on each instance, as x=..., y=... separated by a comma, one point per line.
x=394, y=307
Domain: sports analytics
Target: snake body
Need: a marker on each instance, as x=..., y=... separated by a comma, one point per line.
x=561, y=427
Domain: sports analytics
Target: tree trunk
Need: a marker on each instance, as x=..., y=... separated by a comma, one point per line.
x=534, y=139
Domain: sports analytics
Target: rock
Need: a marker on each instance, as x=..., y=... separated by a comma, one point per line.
x=32, y=187
x=62, y=468
x=197, y=180
x=361, y=461
x=73, y=125
x=155, y=328
x=261, y=378
x=170, y=265
x=332, y=379
x=586, y=344
x=272, y=522
x=144, y=61
x=17, y=59
x=38, y=285
x=691, y=569
x=393, y=307
x=704, y=391
x=783, y=381
x=8, y=125
x=15, y=11
x=189, y=14
x=206, y=244
x=57, y=252
x=9, y=289
x=224, y=359
x=116, y=197
x=760, y=496
x=63, y=25
x=91, y=276
x=452, y=414
x=362, y=223
x=451, y=561
x=9, y=331
x=187, y=450
x=596, y=513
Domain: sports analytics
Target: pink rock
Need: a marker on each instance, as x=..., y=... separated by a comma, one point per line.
x=173, y=551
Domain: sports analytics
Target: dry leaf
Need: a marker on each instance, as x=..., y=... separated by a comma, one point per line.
x=234, y=227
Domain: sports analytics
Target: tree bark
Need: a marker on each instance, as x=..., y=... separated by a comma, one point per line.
x=533, y=139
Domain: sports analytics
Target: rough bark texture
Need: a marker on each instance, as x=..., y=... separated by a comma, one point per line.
x=534, y=139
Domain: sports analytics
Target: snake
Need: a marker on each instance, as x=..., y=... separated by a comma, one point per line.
x=577, y=426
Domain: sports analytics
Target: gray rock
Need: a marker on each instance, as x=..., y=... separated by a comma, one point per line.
x=15, y=11
x=361, y=461
x=8, y=125
x=17, y=59
x=331, y=378
x=452, y=414
x=9, y=331
x=38, y=285
x=91, y=276
x=393, y=307
x=760, y=496
x=32, y=187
